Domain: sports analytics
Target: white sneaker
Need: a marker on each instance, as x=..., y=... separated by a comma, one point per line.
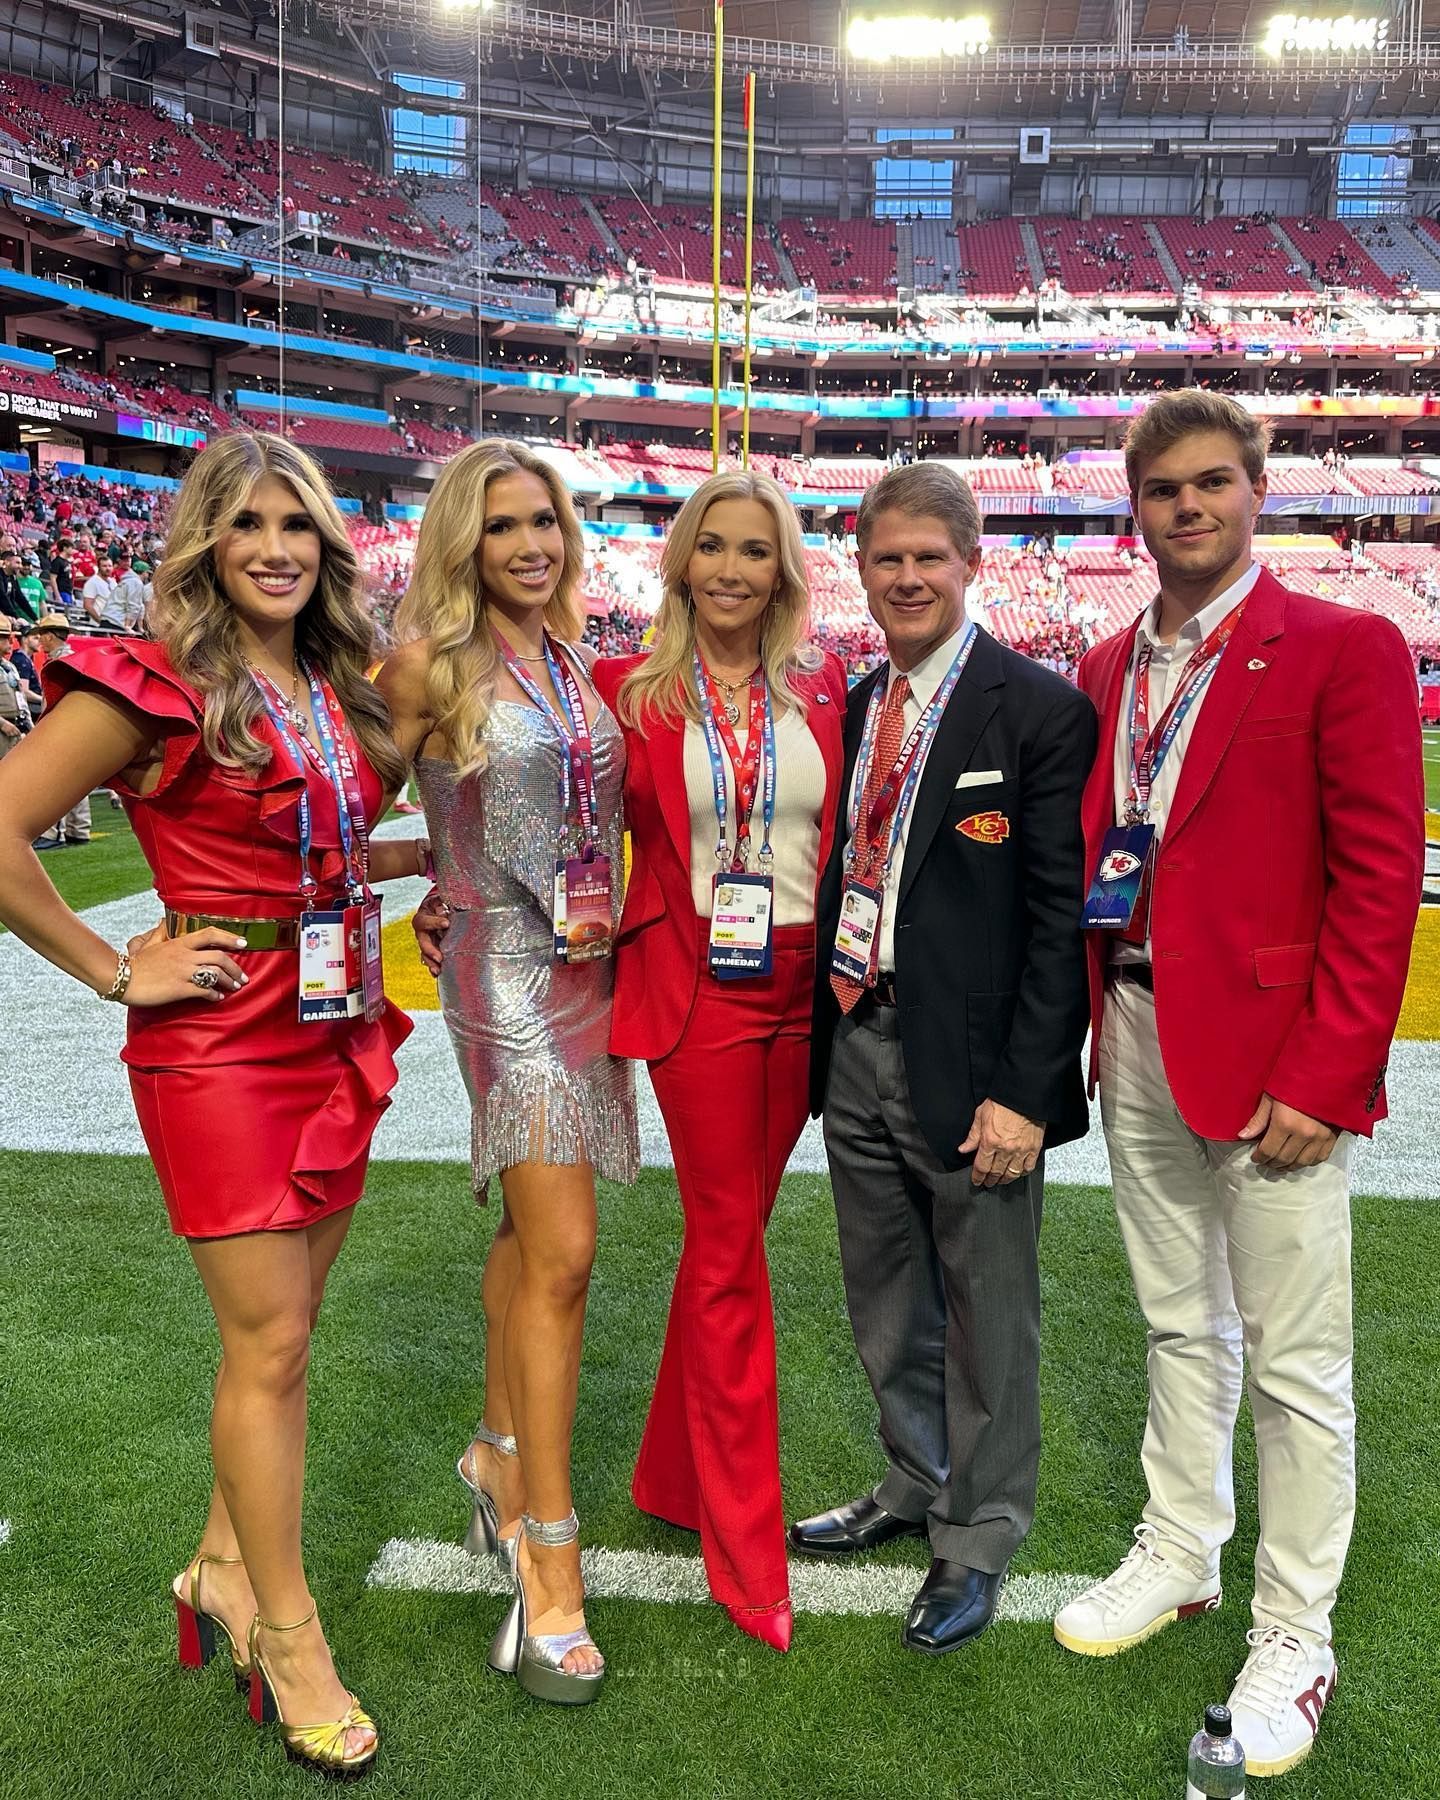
x=1276, y=1703
x=1144, y=1595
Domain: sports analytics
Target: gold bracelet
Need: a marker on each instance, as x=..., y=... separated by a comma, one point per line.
x=121, y=983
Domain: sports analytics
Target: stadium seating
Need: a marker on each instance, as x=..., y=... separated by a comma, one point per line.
x=991, y=260
x=552, y=231
x=935, y=251
x=676, y=242
x=1101, y=257
x=1235, y=264
x=852, y=258
x=159, y=157
x=1338, y=259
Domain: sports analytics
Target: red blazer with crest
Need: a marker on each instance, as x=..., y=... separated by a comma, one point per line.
x=1288, y=874
x=656, y=966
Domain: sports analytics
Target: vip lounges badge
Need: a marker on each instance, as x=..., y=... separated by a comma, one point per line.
x=985, y=827
x=1119, y=871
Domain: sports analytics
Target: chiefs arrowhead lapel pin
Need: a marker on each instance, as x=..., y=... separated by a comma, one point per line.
x=1255, y=663
x=985, y=828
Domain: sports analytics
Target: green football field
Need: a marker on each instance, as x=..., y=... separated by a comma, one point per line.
x=106, y=1355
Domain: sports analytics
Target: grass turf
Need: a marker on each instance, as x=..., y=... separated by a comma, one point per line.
x=105, y=1361
x=107, y=868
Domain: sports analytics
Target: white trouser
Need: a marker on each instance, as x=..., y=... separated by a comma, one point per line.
x=1229, y=1258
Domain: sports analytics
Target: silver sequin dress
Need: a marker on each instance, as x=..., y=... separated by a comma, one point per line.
x=531, y=1034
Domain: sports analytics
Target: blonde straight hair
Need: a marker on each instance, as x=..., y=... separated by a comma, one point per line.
x=663, y=686
x=194, y=620
x=445, y=602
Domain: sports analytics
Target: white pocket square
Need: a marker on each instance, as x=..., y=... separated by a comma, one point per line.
x=979, y=777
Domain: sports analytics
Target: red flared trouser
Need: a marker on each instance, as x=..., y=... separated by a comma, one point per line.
x=733, y=1094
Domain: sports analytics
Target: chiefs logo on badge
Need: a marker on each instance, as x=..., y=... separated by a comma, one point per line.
x=985, y=828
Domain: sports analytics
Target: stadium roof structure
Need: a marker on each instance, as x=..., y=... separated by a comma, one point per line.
x=1178, y=56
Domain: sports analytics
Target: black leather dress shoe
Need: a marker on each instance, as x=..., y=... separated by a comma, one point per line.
x=861, y=1524
x=954, y=1605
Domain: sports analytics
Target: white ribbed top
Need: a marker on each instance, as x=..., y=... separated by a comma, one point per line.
x=799, y=802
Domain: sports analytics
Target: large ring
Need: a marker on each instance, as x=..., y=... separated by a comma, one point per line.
x=205, y=977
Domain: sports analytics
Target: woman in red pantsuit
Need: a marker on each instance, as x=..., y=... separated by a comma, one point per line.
x=246, y=727
x=731, y=688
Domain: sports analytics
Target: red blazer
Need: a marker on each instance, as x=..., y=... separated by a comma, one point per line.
x=656, y=967
x=1289, y=870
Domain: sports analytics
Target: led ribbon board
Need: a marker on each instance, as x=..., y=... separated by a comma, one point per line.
x=915, y=37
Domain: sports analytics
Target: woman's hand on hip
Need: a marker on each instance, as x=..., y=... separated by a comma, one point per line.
x=163, y=969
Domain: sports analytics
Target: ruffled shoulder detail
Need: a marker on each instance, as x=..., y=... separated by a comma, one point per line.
x=139, y=672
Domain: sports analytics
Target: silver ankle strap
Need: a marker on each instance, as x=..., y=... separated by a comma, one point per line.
x=505, y=1445
x=552, y=1532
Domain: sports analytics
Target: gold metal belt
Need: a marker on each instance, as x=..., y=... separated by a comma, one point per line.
x=259, y=934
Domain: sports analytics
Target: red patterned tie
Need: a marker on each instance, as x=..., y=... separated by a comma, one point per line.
x=889, y=736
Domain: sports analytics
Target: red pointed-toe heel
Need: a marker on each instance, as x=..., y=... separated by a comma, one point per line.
x=772, y=1625
x=200, y=1632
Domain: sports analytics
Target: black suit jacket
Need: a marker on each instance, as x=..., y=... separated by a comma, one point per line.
x=989, y=957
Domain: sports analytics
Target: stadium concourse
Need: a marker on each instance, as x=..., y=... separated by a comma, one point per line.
x=388, y=228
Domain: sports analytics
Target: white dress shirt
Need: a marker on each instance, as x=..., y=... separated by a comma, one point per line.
x=925, y=679
x=1167, y=665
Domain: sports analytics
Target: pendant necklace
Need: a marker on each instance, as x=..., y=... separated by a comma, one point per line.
x=730, y=689
x=291, y=710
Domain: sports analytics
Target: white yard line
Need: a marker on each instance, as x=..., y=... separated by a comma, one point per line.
x=88, y=1106
x=4, y=1531
x=420, y=1565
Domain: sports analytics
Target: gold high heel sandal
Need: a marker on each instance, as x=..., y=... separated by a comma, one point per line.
x=483, y=1538
x=537, y=1661
x=198, y=1628
x=322, y=1747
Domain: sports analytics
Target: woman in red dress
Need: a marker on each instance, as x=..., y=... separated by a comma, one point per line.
x=732, y=686
x=244, y=730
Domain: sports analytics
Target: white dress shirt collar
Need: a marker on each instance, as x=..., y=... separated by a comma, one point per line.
x=931, y=670
x=1195, y=630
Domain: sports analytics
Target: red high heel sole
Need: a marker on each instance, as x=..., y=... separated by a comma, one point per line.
x=263, y=1709
x=197, y=1635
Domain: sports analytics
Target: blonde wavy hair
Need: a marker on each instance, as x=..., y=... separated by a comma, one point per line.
x=446, y=602
x=192, y=617
x=663, y=686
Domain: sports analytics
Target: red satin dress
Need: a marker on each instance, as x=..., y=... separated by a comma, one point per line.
x=254, y=1121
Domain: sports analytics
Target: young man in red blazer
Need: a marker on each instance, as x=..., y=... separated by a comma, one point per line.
x=1260, y=757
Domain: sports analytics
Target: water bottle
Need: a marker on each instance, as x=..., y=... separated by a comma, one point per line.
x=1217, y=1760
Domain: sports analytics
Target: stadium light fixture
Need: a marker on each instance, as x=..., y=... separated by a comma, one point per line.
x=916, y=37
x=1301, y=34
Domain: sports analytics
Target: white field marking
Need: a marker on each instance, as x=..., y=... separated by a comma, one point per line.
x=420, y=1565
x=88, y=1105
x=4, y=1531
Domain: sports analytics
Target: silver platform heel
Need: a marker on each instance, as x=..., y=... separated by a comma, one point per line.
x=483, y=1537
x=538, y=1662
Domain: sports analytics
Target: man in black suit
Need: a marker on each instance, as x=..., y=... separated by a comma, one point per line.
x=946, y=1050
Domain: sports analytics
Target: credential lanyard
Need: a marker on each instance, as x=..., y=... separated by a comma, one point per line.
x=1148, y=749
x=577, y=766
x=335, y=762
x=892, y=803
x=759, y=760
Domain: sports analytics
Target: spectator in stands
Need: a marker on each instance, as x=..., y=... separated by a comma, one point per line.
x=127, y=604
x=53, y=634
x=13, y=638
x=14, y=603
x=99, y=592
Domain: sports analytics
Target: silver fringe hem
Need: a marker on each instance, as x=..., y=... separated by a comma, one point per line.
x=543, y=1116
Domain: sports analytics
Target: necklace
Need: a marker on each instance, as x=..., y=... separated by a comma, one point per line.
x=520, y=658
x=730, y=689
x=291, y=710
